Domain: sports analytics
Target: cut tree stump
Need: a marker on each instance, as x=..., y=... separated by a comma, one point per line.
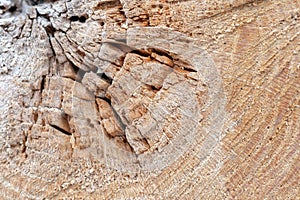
x=169, y=99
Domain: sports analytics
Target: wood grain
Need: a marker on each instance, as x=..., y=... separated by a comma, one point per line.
x=80, y=81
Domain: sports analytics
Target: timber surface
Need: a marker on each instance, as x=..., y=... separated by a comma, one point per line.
x=255, y=46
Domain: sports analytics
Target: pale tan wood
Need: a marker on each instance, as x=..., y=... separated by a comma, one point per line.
x=149, y=99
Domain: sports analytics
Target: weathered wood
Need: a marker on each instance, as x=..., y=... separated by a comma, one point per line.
x=171, y=99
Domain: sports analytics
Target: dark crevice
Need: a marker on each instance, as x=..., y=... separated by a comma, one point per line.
x=106, y=99
x=97, y=106
x=74, y=18
x=35, y=116
x=51, y=45
x=33, y=3
x=13, y=8
x=123, y=126
x=152, y=87
x=31, y=28
x=90, y=123
x=122, y=140
x=117, y=116
x=50, y=30
x=60, y=129
x=140, y=52
x=24, y=147
x=71, y=78
x=160, y=53
x=148, y=52
x=81, y=19
x=81, y=53
x=156, y=89
x=79, y=74
x=104, y=77
x=145, y=141
x=43, y=122
x=23, y=26
x=114, y=63
x=181, y=64
x=42, y=87
x=122, y=12
x=46, y=16
x=95, y=69
x=188, y=69
x=24, y=143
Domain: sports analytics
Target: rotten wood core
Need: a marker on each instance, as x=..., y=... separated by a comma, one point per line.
x=150, y=54
x=116, y=90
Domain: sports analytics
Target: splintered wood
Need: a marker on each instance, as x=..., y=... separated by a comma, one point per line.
x=138, y=99
x=139, y=113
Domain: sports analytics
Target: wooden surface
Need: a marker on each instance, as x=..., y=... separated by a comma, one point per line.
x=150, y=99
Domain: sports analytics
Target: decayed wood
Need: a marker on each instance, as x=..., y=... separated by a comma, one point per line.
x=149, y=99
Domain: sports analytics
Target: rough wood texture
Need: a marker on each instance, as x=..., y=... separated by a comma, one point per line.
x=137, y=99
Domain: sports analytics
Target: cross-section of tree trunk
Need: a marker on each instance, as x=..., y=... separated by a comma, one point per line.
x=169, y=99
